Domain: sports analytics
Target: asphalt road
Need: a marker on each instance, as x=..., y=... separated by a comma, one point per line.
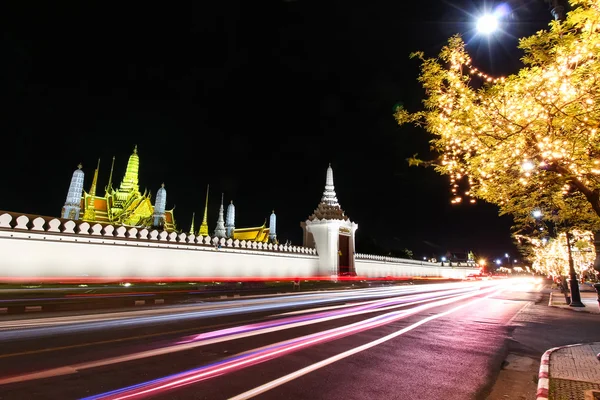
x=401, y=342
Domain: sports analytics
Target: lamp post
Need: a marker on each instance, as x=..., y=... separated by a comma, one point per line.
x=558, y=9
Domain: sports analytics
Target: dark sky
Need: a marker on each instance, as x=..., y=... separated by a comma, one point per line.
x=253, y=98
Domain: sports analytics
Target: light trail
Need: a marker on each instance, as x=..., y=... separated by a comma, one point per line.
x=258, y=356
x=77, y=324
x=245, y=331
x=290, y=377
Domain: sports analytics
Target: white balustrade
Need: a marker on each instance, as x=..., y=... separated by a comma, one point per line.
x=97, y=230
x=109, y=230
x=69, y=226
x=121, y=231
x=83, y=228
x=22, y=222
x=53, y=225
x=38, y=224
x=5, y=220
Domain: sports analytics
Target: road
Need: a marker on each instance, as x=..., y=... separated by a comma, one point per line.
x=398, y=342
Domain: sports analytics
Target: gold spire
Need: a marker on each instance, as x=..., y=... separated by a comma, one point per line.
x=204, y=226
x=109, y=186
x=130, y=180
x=95, y=181
x=90, y=208
x=192, y=227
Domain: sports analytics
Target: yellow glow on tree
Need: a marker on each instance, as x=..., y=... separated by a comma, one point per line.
x=534, y=131
x=552, y=257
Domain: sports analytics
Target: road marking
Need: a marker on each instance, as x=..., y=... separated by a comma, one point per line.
x=193, y=344
x=294, y=375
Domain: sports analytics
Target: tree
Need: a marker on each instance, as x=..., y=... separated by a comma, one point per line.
x=533, y=135
x=550, y=257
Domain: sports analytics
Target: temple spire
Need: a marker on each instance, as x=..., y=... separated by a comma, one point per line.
x=158, y=216
x=273, y=228
x=329, y=196
x=130, y=180
x=220, y=231
x=109, y=185
x=90, y=208
x=230, y=220
x=73, y=202
x=192, y=227
x=95, y=180
x=204, y=226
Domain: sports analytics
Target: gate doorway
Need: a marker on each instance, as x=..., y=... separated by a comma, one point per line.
x=344, y=255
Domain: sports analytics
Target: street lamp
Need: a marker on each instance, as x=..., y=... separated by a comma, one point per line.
x=487, y=23
x=507, y=259
x=558, y=10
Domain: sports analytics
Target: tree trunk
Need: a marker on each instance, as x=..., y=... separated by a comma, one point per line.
x=597, y=248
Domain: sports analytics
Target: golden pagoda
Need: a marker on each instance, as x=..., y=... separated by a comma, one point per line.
x=125, y=205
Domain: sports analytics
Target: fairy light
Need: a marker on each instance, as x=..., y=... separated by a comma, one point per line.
x=550, y=257
x=520, y=125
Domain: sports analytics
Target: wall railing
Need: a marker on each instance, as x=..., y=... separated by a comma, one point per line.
x=396, y=260
x=59, y=226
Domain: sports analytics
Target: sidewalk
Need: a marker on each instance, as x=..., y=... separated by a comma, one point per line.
x=572, y=372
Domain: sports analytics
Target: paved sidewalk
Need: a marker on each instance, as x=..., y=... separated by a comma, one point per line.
x=572, y=372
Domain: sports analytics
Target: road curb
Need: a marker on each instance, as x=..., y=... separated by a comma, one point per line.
x=544, y=374
x=543, y=377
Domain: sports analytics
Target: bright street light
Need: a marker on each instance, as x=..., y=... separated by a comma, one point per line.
x=487, y=24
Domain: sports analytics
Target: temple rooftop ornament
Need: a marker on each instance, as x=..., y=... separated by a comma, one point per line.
x=72, y=206
x=203, y=231
x=220, y=231
x=329, y=207
x=330, y=231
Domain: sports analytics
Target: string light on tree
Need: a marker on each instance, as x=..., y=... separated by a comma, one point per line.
x=536, y=131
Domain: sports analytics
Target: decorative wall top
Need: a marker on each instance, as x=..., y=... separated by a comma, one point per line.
x=397, y=260
x=81, y=229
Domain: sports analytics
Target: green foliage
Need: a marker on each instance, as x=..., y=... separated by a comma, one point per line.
x=529, y=140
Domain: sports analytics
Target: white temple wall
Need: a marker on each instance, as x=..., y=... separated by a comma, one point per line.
x=27, y=256
x=34, y=248
x=371, y=266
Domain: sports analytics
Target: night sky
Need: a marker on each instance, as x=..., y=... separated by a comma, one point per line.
x=253, y=98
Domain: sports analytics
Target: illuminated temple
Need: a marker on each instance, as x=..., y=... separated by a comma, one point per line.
x=125, y=205
x=225, y=227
